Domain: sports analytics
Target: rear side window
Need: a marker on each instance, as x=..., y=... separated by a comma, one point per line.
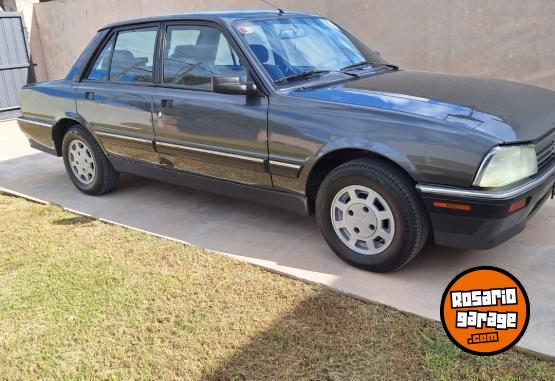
x=128, y=56
x=133, y=57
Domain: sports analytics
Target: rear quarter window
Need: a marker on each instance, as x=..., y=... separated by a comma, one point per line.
x=101, y=66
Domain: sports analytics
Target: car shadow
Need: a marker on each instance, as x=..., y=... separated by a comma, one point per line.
x=329, y=337
x=80, y=220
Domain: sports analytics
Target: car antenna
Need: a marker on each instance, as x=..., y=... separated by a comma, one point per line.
x=273, y=6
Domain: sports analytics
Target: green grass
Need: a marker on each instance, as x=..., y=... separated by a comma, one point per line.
x=81, y=299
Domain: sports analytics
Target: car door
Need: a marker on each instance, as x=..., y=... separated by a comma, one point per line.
x=199, y=131
x=116, y=95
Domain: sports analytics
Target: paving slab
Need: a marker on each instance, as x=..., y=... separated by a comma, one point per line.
x=288, y=243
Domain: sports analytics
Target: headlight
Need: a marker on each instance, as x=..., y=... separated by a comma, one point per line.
x=507, y=165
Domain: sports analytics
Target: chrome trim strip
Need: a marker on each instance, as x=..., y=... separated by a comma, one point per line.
x=211, y=152
x=483, y=166
x=495, y=195
x=123, y=137
x=285, y=165
x=24, y=120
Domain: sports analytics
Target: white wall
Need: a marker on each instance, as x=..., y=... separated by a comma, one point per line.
x=508, y=39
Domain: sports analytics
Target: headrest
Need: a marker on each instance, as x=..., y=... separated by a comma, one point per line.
x=185, y=51
x=123, y=55
x=260, y=52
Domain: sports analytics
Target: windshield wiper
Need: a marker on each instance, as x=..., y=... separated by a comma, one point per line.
x=376, y=64
x=303, y=75
x=310, y=73
x=368, y=63
x=356, y=66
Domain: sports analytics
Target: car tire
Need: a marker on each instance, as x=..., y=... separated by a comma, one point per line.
x=371, y=216
x=87, y=166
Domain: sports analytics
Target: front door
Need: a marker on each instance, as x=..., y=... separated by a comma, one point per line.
x=116, y=95
x=197, y=130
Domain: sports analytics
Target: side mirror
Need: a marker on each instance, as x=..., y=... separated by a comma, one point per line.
x=233, y=85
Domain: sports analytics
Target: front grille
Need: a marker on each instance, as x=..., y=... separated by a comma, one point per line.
x=545, y=151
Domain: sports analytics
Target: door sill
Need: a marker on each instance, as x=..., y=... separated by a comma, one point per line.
x=283, y=200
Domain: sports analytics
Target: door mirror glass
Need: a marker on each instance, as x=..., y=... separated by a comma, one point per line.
x=233, y=85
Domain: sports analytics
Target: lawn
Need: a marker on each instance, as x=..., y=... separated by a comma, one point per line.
x=82, y=299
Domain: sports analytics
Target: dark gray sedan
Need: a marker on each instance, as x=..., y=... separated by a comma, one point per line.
x=292, y=110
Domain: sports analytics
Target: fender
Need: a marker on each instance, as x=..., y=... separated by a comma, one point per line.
x=358, y=143
x=66, y=121
x=78, y=118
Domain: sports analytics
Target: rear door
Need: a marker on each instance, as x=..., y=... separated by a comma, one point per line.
x=116, y=95
x=197, y=130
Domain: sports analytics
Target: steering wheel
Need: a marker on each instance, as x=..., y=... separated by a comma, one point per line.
x=286, y=69
x=283, y=66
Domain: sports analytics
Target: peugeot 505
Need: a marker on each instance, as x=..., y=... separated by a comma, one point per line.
x=292, y=110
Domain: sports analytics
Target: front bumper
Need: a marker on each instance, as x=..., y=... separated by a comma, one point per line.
x=483, y=219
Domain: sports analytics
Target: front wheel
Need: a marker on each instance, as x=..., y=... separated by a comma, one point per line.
x=371, y=216
x=86, y=165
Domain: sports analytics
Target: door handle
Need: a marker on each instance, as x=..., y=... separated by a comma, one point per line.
x=89, y=95
x=166, y=103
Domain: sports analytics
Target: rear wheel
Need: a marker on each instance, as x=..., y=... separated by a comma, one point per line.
x=371, y=215
x=86, y=165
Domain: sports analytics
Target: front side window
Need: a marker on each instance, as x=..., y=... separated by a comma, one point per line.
x=287, y=46
x=195, y=54
x=133, y=56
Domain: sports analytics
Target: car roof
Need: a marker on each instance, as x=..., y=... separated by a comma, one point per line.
x=208, y=16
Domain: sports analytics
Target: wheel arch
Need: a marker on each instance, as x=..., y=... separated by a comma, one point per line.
x=62, y=125
x=338, y=153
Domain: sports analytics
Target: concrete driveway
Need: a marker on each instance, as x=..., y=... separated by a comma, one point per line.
x=288, y=243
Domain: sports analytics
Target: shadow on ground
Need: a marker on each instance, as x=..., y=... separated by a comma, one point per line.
x=334, y=337
x=329, y=337
x=80, y=220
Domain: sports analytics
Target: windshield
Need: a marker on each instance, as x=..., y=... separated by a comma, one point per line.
x=289, y=46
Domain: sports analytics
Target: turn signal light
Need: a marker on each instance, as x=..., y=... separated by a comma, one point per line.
x=517, y=205
x=448, y=205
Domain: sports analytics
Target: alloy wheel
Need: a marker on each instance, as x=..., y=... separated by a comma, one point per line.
x=81, y=161
x=362, y=220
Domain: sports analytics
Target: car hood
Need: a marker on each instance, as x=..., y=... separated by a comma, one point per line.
x=509, y=111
